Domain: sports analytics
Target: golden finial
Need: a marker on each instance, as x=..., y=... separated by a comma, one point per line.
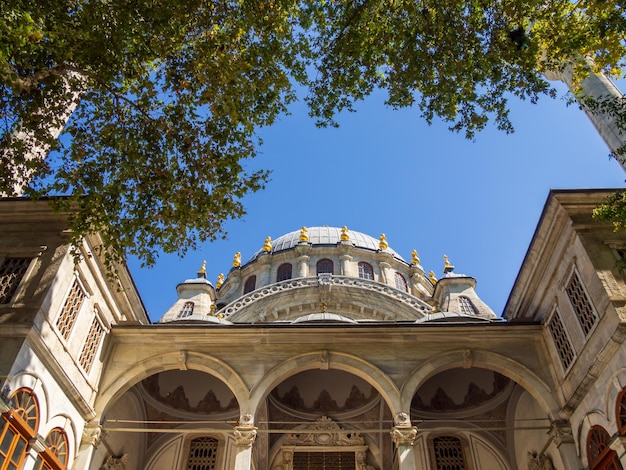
x=237, y=260
x=431, y=276
x=267, y=246
x=383, y=245
x=304, y=234
x=202, y=270
x=415, y=259
x=323, y=307
x=344, y=234
x=220, y=280
x=213, y=309
x=447, y=267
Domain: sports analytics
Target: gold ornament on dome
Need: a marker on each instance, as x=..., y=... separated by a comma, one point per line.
x=202, y=269
x=383, y=245
x=220, y=280
x=344, y=234
x=267, y=246
x=447, y=266
x=304, y=234
x=237, y=260
x=431, y=276
x=415, y=259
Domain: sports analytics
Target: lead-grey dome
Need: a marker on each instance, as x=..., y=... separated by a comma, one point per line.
x=328, y=236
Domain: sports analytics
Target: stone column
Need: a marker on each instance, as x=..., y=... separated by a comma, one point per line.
x=345, y=265
x=35, y=445
x=385, y=273
x=561, y=433
x=263, y=278
x=88, y=444
x=403, y=436
x=618, y=444
x=303, y=266
x=244, y=438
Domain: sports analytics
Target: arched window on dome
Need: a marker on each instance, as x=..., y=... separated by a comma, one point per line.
x=284, y=272
x=187, y=310
x=466, y=306
x=324, y=266
x=250, y=284
x=599, y=455
x=448, y=453
x=365, y=270
x=401, y=282
x=620, y=412
x=54, y=457
x=203, y=453
x=20, y=425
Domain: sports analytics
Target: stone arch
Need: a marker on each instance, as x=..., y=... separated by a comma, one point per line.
x=593, y=418
x=486, y=360
x=64, y=422
x=326, y=360
x=614, y=385
x=114, y=385
x=38, y=387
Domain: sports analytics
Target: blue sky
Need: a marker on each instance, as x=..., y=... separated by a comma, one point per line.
x=426, y=188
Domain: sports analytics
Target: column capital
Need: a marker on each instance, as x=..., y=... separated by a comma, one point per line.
x=92, y=435
x=403, y=435
x=245, y=435
x=561, y=432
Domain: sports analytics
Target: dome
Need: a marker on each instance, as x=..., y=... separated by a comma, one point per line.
x=326, y=236
x=323, y=317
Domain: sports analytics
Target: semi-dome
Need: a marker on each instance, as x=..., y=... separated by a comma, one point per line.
x=327, y=236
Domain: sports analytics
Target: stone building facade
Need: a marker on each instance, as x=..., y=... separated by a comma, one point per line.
x=325, y=350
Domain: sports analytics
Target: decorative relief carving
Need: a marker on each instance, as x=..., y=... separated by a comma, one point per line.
x=324, y=432
x=539, y=462
x=245, y=435
x=246, y=419
x=327, y=280
x=115, y=463
x=402, y=419
x=561, y=432
x=403, y=436
x=92, y=434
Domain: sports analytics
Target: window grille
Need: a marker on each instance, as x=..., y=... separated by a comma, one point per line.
x=401, y=282
x=284, y=272
x=366, y=271
x=581, y=304
x=324, y=461
x=324, y=266
x=202, y=454
x=187, y=310
x=466, y=306
x=449, y=453
x=12, y=271
x=250, y=284
x=70, y=310
x=91, y=345
x=561, y=340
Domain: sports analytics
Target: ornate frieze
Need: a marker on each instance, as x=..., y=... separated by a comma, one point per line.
x=324, y=432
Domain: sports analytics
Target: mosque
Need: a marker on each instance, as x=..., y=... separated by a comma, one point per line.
x=325, y=350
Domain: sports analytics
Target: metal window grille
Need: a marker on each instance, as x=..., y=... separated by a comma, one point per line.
x=187, y=310
x=12, y=271
x=324, y=461
x=581, y=304
x=202, y=454
x=90, y=347
x=366, y=271
x=401, y=282
x=449, y=453
x=70, y=310
x=466, y=306
x=561, y=340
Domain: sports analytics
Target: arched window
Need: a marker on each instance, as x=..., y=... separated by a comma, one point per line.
x=284, y=272
x=19, y=426
x=250, y=284
x=203, y=453
x=366, y=271
x=324, y=266
x=54, y=457
x=599, y=455
x=466, y=306
x=620, y=412
x=186, y=311
x=401, y=282
x=448, y=452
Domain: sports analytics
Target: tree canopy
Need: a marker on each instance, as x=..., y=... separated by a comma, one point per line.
x=169, y=94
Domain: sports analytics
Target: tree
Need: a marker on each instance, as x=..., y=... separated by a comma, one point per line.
x=169, y=93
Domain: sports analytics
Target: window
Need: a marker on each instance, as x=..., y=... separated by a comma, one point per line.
x=581, y=304
x=186, y=311
x=448, y=451
x=70, y=310
x=466, y=306
x=401, y=282
x=561, y=340
x=324, y=461
x=366, y=271
x=284, y=272
x=324, y=266
x=202, y=454
x=620, y=412
x=599, y=455
x=250, y=284
x=20, y=425
x=91, y=345
x=12, y=271
x=54, y=457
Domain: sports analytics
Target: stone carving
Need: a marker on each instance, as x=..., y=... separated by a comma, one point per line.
x=539, y=462
x=325, y=432
x=92, y=434
x=403, y=436
x=402, y=419
x=561, y=432
x=246, y=419
x=327, y=280
x=115, y=463
x=245, y=435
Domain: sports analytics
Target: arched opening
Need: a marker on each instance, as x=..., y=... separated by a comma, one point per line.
x=284, y=272
x=324, y=266
x=55, y=455
x=250, y=284
x=365, y=270
x=599, y=455
x=19, y=425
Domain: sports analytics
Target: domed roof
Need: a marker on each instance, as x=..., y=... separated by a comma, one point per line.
x=326, y=236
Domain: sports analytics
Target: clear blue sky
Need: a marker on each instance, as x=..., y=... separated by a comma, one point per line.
x=426, y=188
